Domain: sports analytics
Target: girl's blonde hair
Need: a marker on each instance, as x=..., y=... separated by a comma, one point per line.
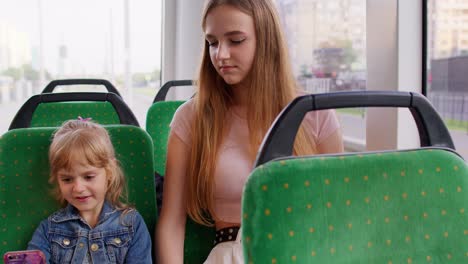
x=271, y=86
x=78, y=139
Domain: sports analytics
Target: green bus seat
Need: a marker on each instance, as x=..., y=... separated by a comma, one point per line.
x=24, y=172
x=395, y=207
x=52, y=109
x=81, y=82
x=158, y=118
x=54, y=114
x=198, y=238
x=405, y=206
x=162, y=93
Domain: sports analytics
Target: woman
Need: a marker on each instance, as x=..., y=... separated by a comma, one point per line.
x=244, y=81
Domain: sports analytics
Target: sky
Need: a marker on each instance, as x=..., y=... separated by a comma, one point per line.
x=84, y=27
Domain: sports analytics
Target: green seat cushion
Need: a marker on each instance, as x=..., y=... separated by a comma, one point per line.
x=198, y=238
x=158, y=118
x=24, y=172
x=54, y=114
x=198, y=242
x=391, y=207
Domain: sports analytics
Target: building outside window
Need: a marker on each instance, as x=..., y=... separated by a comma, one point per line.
x=44, y=40
x=327, y=45
x=447, y=66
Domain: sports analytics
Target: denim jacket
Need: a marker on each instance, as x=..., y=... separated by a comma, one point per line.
x=65, y=237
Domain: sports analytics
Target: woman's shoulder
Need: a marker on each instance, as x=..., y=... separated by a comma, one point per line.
x=182, y=120
x=185, y=112
x=321, y=123
x=321, y=115
x=187, y=107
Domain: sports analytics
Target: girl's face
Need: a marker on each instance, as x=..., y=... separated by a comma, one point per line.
x=230, y=34
x=85, y=187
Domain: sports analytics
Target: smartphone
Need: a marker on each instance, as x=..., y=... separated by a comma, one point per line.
x=24, y=257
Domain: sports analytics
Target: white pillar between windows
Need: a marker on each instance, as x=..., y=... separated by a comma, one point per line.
x=182, y=42
x=393, y=64
x=409, y=66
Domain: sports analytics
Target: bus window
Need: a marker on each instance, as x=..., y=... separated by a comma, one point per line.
x=447, y=65
x=45, y=40
x=327, y=44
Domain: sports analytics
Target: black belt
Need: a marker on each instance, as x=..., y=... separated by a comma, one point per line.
x=226, y=234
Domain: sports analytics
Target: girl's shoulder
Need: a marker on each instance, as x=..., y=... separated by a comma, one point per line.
x=64, y=214
x=129, y=215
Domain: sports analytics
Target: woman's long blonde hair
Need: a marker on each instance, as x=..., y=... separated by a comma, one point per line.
x=85, y=139
x=271, y=87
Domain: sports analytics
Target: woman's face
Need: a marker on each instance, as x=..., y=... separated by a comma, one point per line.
x=230, y=34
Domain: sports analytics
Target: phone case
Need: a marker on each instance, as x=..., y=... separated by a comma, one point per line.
x=24, y=257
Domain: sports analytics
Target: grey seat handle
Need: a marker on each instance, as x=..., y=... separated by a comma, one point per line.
x=279, y=140
x=53, y=84
x=24, y=116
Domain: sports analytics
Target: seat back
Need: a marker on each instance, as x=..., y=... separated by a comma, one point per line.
x=162, y=93
x=73, y=82
x=381, y=207
x=158, y=118
x=394, y=207
x=198, y=242
x=54, y=114
x=24, y=172
x=52, y=109
x=198, y=238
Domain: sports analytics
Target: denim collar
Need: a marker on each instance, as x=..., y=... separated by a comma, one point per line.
x=71, y=213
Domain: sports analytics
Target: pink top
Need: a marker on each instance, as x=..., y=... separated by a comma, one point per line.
x=234, y=166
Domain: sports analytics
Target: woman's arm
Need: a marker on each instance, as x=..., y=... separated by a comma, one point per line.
x=170, y=230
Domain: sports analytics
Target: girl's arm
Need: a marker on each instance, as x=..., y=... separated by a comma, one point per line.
x=40, y=241
x=170, y=230
x=140, y=249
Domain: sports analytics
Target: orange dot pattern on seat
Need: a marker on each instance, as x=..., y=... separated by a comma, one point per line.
x=198, y=238
x=158, y=118
x=55, y=114
x=24, y=172
x=391, y=207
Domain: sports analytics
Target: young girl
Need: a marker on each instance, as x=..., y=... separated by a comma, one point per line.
x=244, y=81
x=95, y=226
